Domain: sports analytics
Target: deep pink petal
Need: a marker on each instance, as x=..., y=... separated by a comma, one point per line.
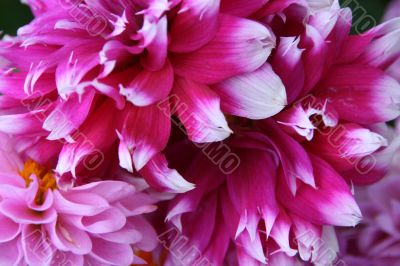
x=245, y=45
x=194, y=26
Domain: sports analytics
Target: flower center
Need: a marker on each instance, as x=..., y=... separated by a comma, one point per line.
x=45, y=178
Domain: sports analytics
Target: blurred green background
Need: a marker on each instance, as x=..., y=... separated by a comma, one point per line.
x=13, y=14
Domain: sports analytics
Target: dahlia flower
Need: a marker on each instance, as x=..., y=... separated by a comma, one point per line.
x=111, y=62
x=99, y=223
x=283, y=177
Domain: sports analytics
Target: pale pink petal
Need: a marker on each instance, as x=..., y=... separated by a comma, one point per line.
x=256, y=95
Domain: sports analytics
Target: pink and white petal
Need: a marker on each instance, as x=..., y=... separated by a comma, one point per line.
x=296, y=163
x=332, y=203
x=314, y=57
x=149, y=87
x=95, y=135
x=374, y=94
x=245, y=44
x=281, y=233
x=345, y=144
x=254, y=198
x=198, y=108
x=63, y=120
x=256, y=95
x=157, y=173
x=194, y=26
x=157, y=50
x=22, y=124
x=145, y=132
x=289, y=67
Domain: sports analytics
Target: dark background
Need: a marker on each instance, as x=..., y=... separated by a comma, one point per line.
x=13, y=14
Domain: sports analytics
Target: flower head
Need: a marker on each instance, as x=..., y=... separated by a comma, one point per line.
x=42, y=224
x=111, y=63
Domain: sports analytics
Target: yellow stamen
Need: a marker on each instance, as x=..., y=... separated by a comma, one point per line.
x=45, y=178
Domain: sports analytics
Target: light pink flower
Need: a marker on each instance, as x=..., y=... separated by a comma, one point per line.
x=99, y=223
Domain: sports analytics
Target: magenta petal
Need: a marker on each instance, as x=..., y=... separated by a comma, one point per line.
x=198, y=108
x=373, y=93
x=254, y=198
x=159, y=176
x=149, y=87
x=245, y=45
x=194, y=26
x=296, y=163
x=241, y=8
x=256, y=95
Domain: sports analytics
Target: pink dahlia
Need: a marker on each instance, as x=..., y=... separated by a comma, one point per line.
x=99, y=223
x=280, y=184
x=97, y=69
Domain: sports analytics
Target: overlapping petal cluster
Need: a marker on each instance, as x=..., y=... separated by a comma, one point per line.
x=98, y=223
x=258, y=114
